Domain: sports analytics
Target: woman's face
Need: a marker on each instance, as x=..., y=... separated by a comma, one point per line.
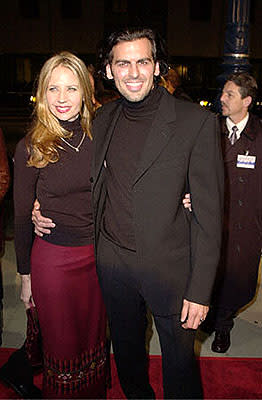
x=64, y=95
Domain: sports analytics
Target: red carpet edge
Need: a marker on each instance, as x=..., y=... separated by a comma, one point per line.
x=222, y=377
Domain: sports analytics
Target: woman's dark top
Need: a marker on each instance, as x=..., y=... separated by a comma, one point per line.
x=64, y=192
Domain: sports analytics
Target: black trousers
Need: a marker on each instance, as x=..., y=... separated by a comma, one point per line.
x=220, y=318
x=126, y=310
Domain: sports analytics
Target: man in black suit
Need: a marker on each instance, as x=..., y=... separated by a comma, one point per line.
x=149, y=149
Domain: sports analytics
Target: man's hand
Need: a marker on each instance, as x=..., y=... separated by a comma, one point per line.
x=193, y=314
x=41, y=223
x=187, y=201
x=26, y=292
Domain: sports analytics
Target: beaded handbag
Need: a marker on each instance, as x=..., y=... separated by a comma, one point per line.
x=33, y=342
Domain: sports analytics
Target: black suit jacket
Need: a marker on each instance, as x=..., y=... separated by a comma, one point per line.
x=177, y=252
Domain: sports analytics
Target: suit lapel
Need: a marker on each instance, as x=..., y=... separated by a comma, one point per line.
x=159, y=135
x=241, y=145
x=103, y=129
x=161, y=131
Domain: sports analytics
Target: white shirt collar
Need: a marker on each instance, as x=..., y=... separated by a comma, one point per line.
x=240, y=126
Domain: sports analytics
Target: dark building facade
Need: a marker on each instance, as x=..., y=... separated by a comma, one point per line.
x=31, y=30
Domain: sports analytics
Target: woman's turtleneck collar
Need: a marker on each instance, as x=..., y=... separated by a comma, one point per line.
x=71, y=126
x=143, y=107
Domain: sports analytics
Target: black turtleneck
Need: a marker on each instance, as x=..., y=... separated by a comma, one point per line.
x=122, y=159
x=64, y=192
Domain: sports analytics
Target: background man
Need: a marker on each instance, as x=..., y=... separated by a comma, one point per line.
x=172, y=82
x=241, y=249
x=149, y=148
x=241, y=246
x=4, y=184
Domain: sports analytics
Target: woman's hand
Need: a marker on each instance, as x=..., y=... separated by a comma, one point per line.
x=41, y=223
x=26, y=292
x=187, y=201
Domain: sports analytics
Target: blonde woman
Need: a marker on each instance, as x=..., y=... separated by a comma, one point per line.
x=58, y=271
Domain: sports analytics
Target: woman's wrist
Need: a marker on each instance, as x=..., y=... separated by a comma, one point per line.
x=25, y=278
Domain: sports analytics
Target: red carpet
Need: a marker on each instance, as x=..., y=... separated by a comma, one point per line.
x=223, y=378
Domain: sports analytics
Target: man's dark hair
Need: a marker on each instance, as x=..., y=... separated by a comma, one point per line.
x=247, y=85
x=159, y=52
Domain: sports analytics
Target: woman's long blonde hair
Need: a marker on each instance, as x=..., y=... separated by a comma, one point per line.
x=43, y=137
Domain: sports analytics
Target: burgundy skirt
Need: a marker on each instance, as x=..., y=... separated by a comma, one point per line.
x=72, y=319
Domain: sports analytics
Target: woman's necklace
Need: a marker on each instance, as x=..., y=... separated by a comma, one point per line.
x=76, y=148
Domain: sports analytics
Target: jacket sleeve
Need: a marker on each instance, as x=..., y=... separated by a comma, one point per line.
x=4, y=169
x=206, y=182
x=25, y=180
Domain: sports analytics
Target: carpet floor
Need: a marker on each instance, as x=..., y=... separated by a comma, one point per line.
x=223, y=378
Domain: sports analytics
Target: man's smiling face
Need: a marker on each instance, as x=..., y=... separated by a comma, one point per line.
x=133, y=69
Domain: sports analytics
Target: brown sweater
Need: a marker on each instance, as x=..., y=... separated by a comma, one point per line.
x=64, y=192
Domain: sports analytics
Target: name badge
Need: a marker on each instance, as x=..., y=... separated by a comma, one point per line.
x=244, y=161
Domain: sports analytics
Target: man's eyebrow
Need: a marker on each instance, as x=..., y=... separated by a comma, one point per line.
x=145, y=59
x=129, y=61
x=119, y=60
